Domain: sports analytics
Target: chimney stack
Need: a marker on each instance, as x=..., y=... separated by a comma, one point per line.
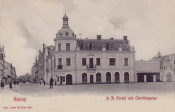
x=98, y=37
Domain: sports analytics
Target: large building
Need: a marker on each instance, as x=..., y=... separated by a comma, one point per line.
x=84, y=61
x=7, y=70
x=81, y=61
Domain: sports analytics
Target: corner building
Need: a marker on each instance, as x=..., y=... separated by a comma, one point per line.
x=83, y=61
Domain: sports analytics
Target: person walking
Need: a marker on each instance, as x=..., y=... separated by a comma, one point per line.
x=51, y=83
x=44, y=82
x=2, y=84
x=10, y=85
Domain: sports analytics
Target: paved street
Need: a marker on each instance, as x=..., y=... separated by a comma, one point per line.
x=100, y=89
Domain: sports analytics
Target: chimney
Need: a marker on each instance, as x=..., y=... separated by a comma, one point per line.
x=98, y=37
x=111, y=38
x=125, y=38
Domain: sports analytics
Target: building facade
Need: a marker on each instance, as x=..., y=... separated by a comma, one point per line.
x=7, y=70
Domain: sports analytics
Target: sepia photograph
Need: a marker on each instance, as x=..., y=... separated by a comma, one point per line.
x=87, y=56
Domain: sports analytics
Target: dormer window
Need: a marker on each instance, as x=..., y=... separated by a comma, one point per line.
x=72, y=34
x=67, y=33
x=60, y=34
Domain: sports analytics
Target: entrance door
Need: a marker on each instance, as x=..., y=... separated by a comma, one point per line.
x=69, y=79
x=61, y=79
x=91, y=62
x=169, y=78
x=91, y=79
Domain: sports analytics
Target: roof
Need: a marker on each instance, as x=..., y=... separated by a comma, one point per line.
x=98, y=44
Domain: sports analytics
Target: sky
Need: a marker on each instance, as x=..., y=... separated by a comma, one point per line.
x=26, y=24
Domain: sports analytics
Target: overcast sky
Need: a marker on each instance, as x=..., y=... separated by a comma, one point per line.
x=26, y=24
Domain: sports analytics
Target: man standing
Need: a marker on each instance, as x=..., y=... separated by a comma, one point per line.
x=51, y=83
x=44, y=82
x=2, y=84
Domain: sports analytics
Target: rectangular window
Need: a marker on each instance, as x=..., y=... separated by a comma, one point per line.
x=68, y=62
x=58, y=78
x=125, y=61
x=111, y=61
x=59, y=47
x=59, y=61
x=83, y=61
x=63, y=78
x=94, y=47
x=67, y=46
x=86, y=47
x=98, y=61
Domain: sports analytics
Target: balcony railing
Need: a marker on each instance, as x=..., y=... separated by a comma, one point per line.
x=91, y=67
x=59, y=67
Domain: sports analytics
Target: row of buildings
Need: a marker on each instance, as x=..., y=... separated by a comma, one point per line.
x=7, y=70
x=82, y=61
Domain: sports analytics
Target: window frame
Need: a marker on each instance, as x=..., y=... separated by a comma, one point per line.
x=110, y=62
x=69, y=61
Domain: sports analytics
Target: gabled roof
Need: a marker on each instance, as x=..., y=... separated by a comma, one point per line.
x=109, y=44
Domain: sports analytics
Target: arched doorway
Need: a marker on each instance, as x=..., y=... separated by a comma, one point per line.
x=69, y=79
x=169, y=77
x=117, y=77
x=108, y=77
x=98, y=78
x=126, y=77
x=84, y=78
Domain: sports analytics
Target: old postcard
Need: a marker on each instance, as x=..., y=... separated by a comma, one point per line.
x=87, y=56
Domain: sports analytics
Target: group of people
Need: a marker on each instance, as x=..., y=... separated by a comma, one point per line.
x=2, y=85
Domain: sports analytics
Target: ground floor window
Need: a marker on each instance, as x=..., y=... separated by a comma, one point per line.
x=98, y=77
x=108, y=77
x=117, y=77
x=126, y=77
x=84, y=78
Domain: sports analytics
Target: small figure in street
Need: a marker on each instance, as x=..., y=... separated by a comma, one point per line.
x=2, y=84
x=10, y=85
x=51, y=83
x=40, y=82
x=44, y=82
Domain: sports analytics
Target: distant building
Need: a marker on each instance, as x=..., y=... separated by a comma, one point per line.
x=167, y=66
x=7, y=71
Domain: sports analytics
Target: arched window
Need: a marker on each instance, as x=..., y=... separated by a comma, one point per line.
x=117, y=77
x=126, y=77
x=108, y=77
x=84, y=78
x=98, y=77
x=67, y=33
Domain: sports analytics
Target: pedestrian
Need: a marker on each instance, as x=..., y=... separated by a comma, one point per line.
x=51, y=83
x=2, y=84
x=40, y=82
x=10, y=85
x=44, y=82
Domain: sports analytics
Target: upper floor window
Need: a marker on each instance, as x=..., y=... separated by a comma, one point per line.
x=83, y=61
x=68, y=61
x=59, y=47
x=59, y=61
x=94, y=47
x=86, y=46
x=125, y=61
x=67, y=46
x=60, y=34
x=97, y=61
x=67, y=33
x=111, y=61
x=110, y=46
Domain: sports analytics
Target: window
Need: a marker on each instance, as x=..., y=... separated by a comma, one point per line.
x=60, y=34
x=67, y=33
x=86, y=47
x=68, y=62
x=94, y=47
x=125, y=61
x=67, y=46
x=97, y=61
x=111, y=61
x=58, y=78
x=59, y=47
x=84, y=78
x=111, y=46
x=83, y=61
x=59, y=61
x=63, y=78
